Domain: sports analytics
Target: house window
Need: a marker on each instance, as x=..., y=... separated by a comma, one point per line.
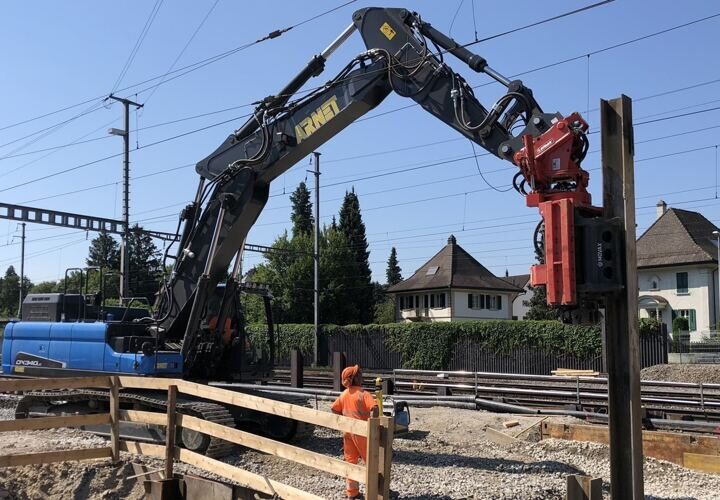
x=426, y=302
x=437, y=300
x=482, y=301
x=681, y=283
x=655, y=283
x=417, y=302
x=691, y=317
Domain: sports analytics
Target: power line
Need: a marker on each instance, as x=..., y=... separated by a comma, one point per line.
x=192, y=67
x=138, y=44
x=472, y=43
x=185, y=47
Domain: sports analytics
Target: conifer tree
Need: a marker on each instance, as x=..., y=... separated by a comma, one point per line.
x=359, y=281
x=393, y=272
x=302, y=218
x=104, y=252
x=145, y=266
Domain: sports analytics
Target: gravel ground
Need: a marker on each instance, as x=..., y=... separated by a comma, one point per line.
x=697, y=373
x=446, y=456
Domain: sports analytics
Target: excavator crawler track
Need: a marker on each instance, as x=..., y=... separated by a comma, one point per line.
x=211, y=412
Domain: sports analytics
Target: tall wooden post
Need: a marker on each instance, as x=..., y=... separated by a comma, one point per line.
x=296, y=369
x=339, y=362
x=621, y=313
x=372, y=467
x=115, y=418
x=170, y=432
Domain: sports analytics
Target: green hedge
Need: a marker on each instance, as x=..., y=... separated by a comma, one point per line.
x=430, y=345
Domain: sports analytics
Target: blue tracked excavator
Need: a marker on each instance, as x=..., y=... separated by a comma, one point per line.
x=197, y=331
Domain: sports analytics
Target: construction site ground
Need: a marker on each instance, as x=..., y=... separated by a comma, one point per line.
x=448, y=454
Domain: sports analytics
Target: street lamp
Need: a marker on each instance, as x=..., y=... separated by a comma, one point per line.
x=716, y=233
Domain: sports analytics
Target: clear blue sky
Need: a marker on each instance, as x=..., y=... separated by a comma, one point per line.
x=56, y=55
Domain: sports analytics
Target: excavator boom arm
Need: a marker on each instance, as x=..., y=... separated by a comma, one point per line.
x=285, y=128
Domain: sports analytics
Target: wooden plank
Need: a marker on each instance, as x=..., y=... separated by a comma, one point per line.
x=584, y=488
x=282, y=409
x=147, y=449
x=151, y=383
x=387, y=430
x=170, y=431
x=243, y=477
x=40, y=384
x=30, y=424
x=372, y=467
x=499, y=437
x=704, y=463
x=115, y=419
x=668, y=446
x=48, y=457
x=143, y=417
x=276, y=448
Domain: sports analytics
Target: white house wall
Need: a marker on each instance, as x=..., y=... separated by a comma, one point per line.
x=461, y=311
x=700, y=295
x=519, y=309
x=456, y=308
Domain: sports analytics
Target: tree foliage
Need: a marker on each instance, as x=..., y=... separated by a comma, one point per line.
x=10, y=292
x=301, y=216
x=145, y=266
x=104, y=252
x=539, y=308
x=353, y=227
x=393, y=272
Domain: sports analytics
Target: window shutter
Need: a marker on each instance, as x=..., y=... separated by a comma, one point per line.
x=692, y=321
x=470, y=301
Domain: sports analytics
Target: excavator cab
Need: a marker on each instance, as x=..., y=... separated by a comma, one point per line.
x=245, y=357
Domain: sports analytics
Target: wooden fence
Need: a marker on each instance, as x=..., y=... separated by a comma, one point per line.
x=375, y=474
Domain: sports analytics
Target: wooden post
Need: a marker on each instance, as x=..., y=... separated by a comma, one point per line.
x=296, y=368
x=584, y=488
x=339, y=362
x=388, y=387
x=621, y=312
x=372, y=467
x=115, y=418
x=170, y=432
x=387, y=429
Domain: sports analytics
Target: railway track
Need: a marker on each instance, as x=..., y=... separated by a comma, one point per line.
x=660, y=399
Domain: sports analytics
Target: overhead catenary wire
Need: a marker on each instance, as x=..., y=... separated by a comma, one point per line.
x=138, y=43
x=182, y=51
x=543, y=67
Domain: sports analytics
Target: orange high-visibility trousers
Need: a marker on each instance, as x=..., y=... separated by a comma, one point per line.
x=354, y=448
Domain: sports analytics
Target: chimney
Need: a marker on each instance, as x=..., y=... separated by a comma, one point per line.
x=661, y=208
x=452, y=240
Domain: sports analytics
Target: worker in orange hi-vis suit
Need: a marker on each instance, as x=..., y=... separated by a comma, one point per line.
x=354, y=402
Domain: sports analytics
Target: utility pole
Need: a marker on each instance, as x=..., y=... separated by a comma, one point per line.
x=22, y=269
x=621, y=309
x=124, y=257
x=316, y=258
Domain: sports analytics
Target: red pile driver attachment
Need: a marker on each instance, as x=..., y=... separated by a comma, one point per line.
x=580, y=248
